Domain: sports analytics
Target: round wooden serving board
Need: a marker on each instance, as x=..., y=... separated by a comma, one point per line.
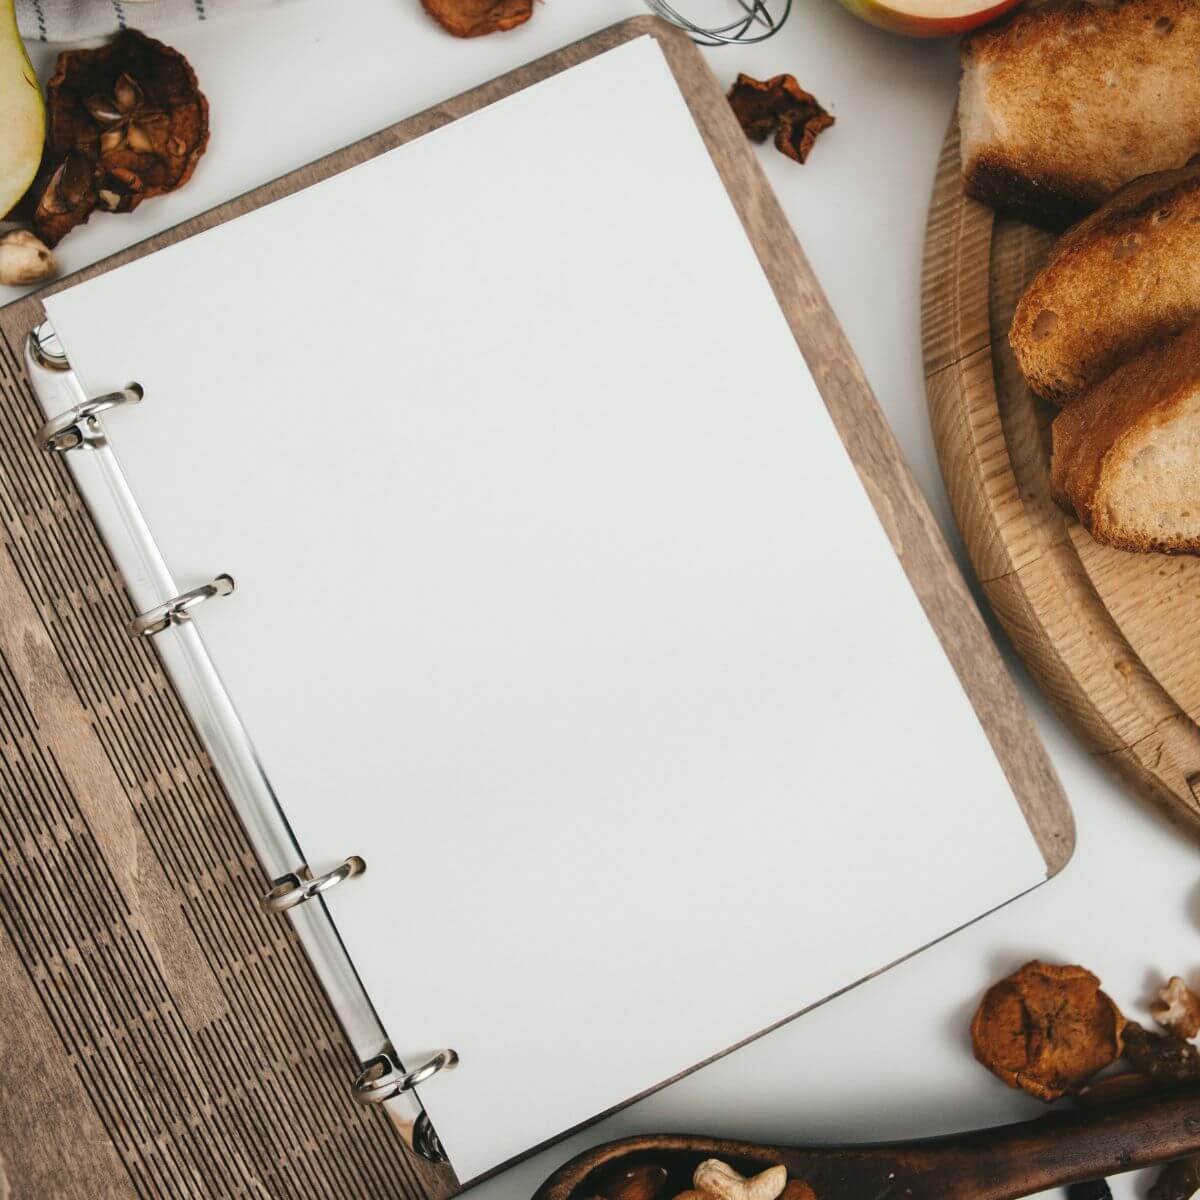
x=1112, y=638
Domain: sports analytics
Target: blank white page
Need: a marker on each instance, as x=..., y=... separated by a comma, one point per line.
x=558, y=600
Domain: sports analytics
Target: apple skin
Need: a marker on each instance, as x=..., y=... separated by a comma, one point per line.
x=878, y=12
x=22, y=114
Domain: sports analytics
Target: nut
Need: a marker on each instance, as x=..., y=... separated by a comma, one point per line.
x=719, y=1179
x=1165, y=1058
x=1177, y=1009
x=24, y=258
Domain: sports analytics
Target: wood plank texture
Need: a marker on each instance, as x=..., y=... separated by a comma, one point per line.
x=163, y=1036
x=864, y=430
x=1108, y=635
x=1005, y=1162
x=177, y=1039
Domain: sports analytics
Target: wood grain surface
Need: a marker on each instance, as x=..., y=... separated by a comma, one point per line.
x=163, y=1036
x=1111, y=637
x=1003, y=1163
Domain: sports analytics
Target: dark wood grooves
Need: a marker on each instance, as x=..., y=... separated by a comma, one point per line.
x=1107, y=635
x=191, y=1023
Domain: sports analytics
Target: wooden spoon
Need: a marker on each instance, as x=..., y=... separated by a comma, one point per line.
x=988, y=1164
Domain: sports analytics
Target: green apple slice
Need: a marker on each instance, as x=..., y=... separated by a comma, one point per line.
x=22, y=113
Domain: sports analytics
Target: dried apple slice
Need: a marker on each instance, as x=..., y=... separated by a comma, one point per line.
x=1047, y=1029
x=474, y=18
x=133, y=110
x=781, y=106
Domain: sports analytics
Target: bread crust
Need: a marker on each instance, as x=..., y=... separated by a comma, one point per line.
x=1062, y=104
x=994, y=179
x=1095, y=437
x=1126, y=276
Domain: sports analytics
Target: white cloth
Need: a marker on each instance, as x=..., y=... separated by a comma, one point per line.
x=77, y=20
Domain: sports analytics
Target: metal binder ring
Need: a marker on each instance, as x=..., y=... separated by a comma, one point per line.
x=69, y=429
x=46, y=348
x=292, y=890
x=175, y=611
x=382, y=1077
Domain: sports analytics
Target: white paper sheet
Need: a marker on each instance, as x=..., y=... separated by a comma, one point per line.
x=558, y=600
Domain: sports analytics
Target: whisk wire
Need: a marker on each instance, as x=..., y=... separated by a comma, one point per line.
x=739, y=30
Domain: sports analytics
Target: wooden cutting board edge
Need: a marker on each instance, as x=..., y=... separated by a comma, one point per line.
x=1023, y=549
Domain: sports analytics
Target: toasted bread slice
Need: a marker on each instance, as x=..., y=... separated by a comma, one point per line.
x=1064, y=103
x=1126, y=457
x=1126, y=276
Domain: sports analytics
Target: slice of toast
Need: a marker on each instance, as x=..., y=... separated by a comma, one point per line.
x=1126, y=276
x=1062, y=104
x=1126, y=457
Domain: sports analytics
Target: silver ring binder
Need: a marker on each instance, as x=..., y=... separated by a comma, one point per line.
x=383, y=1077
x=175, y=611
x=54, y=382
x=426, y=1142
x=77, y=425
x=295, y=889
x=46, y=348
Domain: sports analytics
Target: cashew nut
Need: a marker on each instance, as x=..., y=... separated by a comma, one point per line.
x=718, y=1179
x=24, y=259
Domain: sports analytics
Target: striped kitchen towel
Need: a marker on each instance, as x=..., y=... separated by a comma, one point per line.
x=77, y=20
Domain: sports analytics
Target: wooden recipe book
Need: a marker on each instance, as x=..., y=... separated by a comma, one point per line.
x=551, y=647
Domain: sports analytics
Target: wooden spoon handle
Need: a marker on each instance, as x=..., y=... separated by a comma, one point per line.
x=1002, y=1163
x=1017, y=1160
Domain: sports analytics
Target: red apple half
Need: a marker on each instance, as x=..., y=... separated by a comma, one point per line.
x=929, y=18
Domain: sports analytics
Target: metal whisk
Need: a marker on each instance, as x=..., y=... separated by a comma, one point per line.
x=759, y=20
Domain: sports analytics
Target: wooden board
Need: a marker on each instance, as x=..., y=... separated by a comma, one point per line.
x=1111, y=637
x=164, y=1037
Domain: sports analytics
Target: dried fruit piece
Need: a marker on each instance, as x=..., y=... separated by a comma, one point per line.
x=131, y=108
x=68, y=198
x=474, y=18
x=1177, y=1009
x=758, y=103
x=1114, y=1089
x=782, y=106
x=1165, y=1058
x=798, y=131
x=24, y=259
x=719, y=1181
x=641, y=1182
x=120, y=190
x=798, y=1190
x=1046, y=1029
x=1179, y=1180
x=1094, y=1189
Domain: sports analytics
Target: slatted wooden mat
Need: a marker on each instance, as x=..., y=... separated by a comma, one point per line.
x=162, y=1036
x=1113, y=638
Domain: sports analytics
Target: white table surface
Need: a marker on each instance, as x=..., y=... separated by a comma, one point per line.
x=291, y=81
